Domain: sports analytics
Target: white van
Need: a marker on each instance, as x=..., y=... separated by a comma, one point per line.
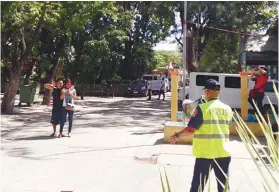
x=156, y=82
x=230, y=89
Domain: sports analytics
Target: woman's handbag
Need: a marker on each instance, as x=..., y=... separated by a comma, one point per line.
x=70, y=107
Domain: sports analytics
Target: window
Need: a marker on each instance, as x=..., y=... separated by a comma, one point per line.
x=269, y=87
x=201, y=79
x=232, y=82
x=147, y=78
x=139, y=82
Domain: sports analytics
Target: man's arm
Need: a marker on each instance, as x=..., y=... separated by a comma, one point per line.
x=74, y=95
x=49, y=86
x=62, y=94
x=187, y=131
x=193, y=125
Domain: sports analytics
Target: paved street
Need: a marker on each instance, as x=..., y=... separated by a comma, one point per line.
x=116, y=146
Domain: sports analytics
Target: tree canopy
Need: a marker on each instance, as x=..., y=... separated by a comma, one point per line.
x=208, y=48
x=95, y=40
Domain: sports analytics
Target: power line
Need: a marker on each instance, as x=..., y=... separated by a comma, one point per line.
x=225, y=30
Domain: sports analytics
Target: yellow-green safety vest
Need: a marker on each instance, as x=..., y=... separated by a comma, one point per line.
x=212, y=138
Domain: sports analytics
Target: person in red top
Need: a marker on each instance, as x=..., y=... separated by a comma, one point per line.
x=257, y=93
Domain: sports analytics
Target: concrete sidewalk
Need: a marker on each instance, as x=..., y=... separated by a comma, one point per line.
x=116, y=145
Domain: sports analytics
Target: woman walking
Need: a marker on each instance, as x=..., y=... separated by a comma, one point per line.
x=69, y=94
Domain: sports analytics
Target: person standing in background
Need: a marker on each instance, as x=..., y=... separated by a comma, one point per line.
x=57, y=109
x=257, y=93
x=68, y=95
x=149, y=89
x=162, y=89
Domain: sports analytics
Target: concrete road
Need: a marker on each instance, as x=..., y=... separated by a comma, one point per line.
x=116, y=145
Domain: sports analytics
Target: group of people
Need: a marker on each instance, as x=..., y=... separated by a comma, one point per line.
x=63, y=105
x=209, y=123
x=162, y=91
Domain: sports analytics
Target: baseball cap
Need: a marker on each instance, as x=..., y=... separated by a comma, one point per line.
x=212, y=84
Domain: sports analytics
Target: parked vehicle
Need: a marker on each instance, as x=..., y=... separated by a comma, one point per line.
x=230, y=89
x=137, y=88
x=155, y=81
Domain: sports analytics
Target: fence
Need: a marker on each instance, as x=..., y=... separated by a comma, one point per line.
x=96, y=89
x=91, y=89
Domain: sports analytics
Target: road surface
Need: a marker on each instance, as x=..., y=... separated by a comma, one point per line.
x=116, y=146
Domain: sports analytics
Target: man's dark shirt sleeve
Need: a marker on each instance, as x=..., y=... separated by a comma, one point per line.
x=196, y=119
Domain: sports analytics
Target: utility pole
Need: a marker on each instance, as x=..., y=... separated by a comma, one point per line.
x=184, y=47
x=198, y=30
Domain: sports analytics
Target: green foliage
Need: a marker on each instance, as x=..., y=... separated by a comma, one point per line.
x=151, y=24
x=239, y=16
x=100, y=40
x=163, y=58
x=269, y=173
x=166, y=180
x=220, y=57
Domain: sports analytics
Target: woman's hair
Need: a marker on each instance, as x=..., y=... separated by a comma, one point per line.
x=58, y=79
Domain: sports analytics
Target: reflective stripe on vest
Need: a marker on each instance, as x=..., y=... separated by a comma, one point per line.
x=216, y=121
x=211, y=139
x=211, y=136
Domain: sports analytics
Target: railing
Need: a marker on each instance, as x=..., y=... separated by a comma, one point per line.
x=95, y=89
x=90, y=88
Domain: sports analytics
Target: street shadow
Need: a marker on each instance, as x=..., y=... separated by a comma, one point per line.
x=160, y=142
x=148, y=132
x=136, y=113
x=19, y=152
x=42, y=137
x=92, y=150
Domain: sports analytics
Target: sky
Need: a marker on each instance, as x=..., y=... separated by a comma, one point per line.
x=168, y=44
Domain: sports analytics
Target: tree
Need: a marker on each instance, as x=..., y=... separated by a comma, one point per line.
x=20, y=27
x=163, y=58
x=97, y=46
x=244, y=17
x=152, y=23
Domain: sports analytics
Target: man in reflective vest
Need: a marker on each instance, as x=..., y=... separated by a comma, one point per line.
x=210, y=125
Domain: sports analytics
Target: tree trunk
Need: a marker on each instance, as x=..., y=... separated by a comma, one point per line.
x=47, y=94
x=190, y=55
x=7, y=104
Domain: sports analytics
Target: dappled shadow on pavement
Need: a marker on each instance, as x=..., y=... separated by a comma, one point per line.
x=160, y=142
x=30, y=124
x=154, y=131
x=42, y=137
x=92, y=150
x=117, y=114
x=17, y=151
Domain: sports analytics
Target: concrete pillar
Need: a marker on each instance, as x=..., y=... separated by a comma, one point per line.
x=174, y=94
x=244, y=95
